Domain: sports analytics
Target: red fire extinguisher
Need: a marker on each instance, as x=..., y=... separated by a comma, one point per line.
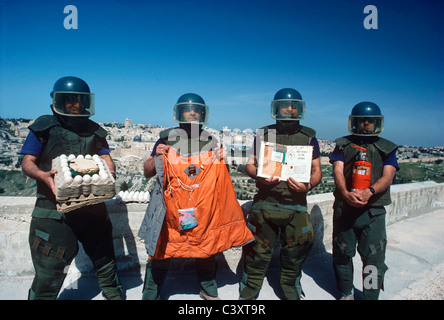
x=362, y=171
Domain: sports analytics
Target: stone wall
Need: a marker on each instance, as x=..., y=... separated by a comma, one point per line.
x=408, y=200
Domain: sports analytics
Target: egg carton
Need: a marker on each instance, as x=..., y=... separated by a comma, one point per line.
x=71, y=204
x=133, y=196
x=74, y=189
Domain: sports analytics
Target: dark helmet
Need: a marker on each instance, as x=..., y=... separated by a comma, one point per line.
x=192, y=104
x=288, y=105
x=71, y=97
x=366, y=120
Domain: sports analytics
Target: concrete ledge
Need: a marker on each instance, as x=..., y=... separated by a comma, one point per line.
x=15, y=216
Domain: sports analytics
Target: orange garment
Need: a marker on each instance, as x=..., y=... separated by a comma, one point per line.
x=221, y=223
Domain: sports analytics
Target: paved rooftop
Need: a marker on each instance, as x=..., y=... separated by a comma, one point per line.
x=415, y=257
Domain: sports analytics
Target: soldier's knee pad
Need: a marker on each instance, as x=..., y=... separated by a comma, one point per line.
x=374, y=254
x=261, y=247
x=343, y=252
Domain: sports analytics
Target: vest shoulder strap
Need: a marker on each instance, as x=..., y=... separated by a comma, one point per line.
x=165, y=133
x=385, y=146
x=41, y=127
x=267, y=128
x=97, y=129
x=43, y=123
x=343, y=141
x=311, y=133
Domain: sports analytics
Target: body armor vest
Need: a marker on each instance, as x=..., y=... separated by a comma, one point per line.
x=57, y=140
x=280, y=193
x=186, y=144
x=378, y=149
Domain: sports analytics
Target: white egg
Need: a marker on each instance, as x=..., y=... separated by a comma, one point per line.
x=65, y=169
x=80, y=156
x=71, y=157
x=95, y=178
x=103, y=175
x=64, y=164
x=95, y=156
x=78, y=179
x=67, y=174
x=63, y=156
x=86, y=178
x=68, y=180
x=88, y=156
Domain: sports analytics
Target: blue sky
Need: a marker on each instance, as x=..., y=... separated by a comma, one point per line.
x=139, y=56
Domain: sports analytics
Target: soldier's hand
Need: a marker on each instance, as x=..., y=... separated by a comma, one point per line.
x=363, y=195
x=298, y=186
x=268, y=181
x=48, y=178
x=161, y=149
x=354, y=200
x=220, y=153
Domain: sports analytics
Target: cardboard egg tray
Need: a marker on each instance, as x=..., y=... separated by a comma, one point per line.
x=74, y=195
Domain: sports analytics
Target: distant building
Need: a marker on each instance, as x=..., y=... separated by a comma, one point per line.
x=21, y=132
x=238, y=143
x=128, y=123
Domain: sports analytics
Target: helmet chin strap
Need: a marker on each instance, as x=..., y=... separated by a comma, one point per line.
x=78, y=125
x=364, y=139
x=191, y=128
x=287, y=126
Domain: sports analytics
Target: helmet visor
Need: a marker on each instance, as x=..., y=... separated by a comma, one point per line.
x=366, y=125
x=187, y=112
x=288, y=109
x=73, y=104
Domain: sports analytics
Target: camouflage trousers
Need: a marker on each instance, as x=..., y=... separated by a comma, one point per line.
x=364, y=230
x=54, y=244
x=296, y=241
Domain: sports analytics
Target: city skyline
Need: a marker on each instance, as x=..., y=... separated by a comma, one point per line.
x=139, y=56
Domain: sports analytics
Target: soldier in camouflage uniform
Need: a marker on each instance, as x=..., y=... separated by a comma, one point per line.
x=281, y=205
x=53, y=236
x=359, y=216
